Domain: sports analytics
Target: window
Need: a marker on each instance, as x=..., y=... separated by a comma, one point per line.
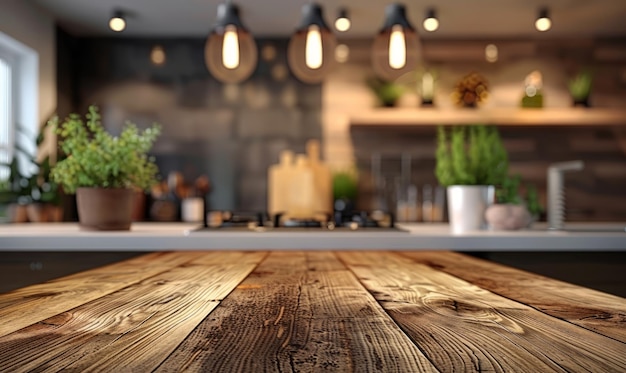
x=7, y=110
x=19, y=104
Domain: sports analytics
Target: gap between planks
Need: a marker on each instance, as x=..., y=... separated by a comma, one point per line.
x=298, y=311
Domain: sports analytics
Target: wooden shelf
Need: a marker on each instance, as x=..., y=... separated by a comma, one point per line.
x=502, y=116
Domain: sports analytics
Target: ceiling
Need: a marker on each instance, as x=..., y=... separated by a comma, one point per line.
x=458, y=18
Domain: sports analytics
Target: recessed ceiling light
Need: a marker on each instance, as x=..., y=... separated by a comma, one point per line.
x=431, y=23
x=117, y=23
x=342, y=24
x=543, y=22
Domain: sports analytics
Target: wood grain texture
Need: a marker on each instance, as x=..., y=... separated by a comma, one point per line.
x=462, y=327
x=591, y=309
x=298, y=312
x=31, y=304
x=131, y=329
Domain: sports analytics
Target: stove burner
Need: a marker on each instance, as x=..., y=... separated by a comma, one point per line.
x=339, y=220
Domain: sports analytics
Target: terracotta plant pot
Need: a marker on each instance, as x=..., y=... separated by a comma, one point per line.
x=105, y=209
x=17, y=213
x=44, y=213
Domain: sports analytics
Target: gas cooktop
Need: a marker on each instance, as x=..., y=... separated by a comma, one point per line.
x=262, y=221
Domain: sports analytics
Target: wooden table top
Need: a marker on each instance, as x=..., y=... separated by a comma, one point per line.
x=310, y=311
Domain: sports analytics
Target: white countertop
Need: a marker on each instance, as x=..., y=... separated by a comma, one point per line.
x=180, y=236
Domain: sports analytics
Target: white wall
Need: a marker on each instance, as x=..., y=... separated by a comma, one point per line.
x=32, y=26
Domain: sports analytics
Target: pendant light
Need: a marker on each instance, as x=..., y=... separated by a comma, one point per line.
x=543, y=22
x=230, y=52
x=311, y=49
x=395, y=49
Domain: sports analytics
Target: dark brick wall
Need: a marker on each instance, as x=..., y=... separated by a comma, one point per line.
x=230, y=132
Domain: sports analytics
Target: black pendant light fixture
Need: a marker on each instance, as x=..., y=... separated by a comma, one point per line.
x=311, y=49
x=396, y=49
x=230, y=52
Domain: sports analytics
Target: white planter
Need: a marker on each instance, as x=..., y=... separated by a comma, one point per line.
x=192, y=209
x=467, y=205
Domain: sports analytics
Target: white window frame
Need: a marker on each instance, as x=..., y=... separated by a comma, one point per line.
x=9, y=149
x=24, y=62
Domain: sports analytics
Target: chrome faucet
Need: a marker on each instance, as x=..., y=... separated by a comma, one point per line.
x=556, y=197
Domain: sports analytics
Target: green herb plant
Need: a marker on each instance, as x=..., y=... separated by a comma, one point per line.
x=345, y=185
x=36, y=188
x=97, y=159
x=580, y=85
x=471, y=155
x=509, y=192
x=387, y=93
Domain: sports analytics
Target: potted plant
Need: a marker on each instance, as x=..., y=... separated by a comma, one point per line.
x=32, y=198
x=387, y=93
x=471, y=90
x=580, y=88
x=103, y=170
x=345, y=190
x=15, y=194
x=512, y=210
x=470, y=162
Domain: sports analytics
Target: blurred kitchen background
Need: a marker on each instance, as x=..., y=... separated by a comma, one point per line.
x=154, y=71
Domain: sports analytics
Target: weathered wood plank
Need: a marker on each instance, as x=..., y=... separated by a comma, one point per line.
x=298, y=312
x=26, y=306
x=132, y=329
x=462, y=327
x=591, y=309
x=323, y=261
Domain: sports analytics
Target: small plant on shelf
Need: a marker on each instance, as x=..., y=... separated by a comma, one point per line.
x=387, y=93
x=471, y=90
x=472, y=155
x=345, y=184
x=580, y=88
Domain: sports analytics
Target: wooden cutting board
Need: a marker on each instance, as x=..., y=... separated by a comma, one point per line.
x=302, y=189
x=278, y=180
x=321, y=178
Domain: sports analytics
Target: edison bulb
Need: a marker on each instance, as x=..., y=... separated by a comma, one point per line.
x=395, y=52
x=313, y=49
x=231, y=54
x=311, y=53
x=230, y=48
x=397, y=48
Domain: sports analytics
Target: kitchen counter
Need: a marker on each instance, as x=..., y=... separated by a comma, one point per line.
x=168, y=236
x=310, y=311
